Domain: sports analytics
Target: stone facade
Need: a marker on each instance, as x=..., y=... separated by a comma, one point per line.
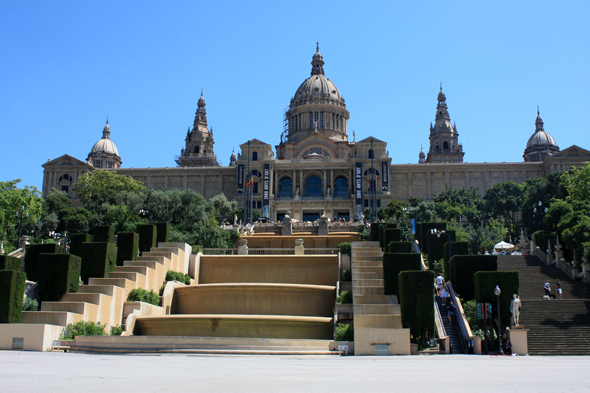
x=316, y=168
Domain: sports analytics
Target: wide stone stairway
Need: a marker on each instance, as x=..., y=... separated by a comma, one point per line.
x=377, y=317
x=556, y=327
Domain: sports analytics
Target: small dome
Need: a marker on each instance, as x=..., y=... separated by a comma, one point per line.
x=201, y=100
x=106, y=146
x=541, y=139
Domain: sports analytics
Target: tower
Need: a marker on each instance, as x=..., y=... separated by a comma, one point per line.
x=104, y=153
x=541, y=144
x=199, y=142
x=444, y=138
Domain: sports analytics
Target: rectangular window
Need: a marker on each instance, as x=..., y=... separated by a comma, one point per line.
x=366, y=203
x=333, y=120
x=98, y=164
x=311, y=120
x=337, y=123
x=109, y=164
x=299, y=123
x=255, y=187
x=65, y=188
x=259, y=204
x=322, y=120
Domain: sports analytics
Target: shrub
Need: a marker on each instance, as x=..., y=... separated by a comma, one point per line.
x=127, y=247
x=382, y=228
x=416, y=294
x=463, y=267
x=104, y=234
x=12, y=289
x=98, y=260
x=345, y=248
x=345, y=297
x=344, y=332
x=346, y=275
x=76, y=241
x=142, y=295
x=457, y=248
x=32, y=258
x=147, y=237
x=9, y=263
x=116, y=330
x=508, y=282
x=60, y=275
x=375, y=230
x=178, y=276
x=83, y=328
x=400, y=247
x=393, y=264
x=391, y=235
x=542, y=239
x=162, y=232
x=30, y=304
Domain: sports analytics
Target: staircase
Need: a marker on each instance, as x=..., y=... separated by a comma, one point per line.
x=449, y=328
x=377, y=317
x=556, y=327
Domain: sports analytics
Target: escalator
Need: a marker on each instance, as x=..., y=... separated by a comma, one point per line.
x=450, y=329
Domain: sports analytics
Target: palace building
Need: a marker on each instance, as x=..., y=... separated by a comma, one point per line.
x=315, y=167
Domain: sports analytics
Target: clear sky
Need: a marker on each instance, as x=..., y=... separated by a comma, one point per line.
x=66, y=65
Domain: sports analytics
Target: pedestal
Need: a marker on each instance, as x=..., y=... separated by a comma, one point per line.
x=518, y=340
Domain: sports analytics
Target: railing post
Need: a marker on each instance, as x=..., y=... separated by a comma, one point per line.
x=243, y=247
x=299, y=250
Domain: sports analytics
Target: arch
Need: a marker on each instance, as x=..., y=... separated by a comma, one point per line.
x=313, y=186
x=196, y=149
x=341, y=187
x=255, y=156
x=256, y=173
x=65, y=177
x=286, y=187
x=372, y=170
x=446, y=145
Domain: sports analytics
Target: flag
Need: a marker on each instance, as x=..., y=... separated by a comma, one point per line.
x=250, y=182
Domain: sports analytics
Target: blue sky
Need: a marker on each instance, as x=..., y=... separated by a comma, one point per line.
x=66, y=65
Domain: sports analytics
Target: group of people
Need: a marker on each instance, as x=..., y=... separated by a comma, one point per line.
x=441, y=291
x=548, y=294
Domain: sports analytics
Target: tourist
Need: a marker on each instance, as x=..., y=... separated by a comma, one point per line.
x=444, y=295
x=559, y=290
x=486, y=252
x=439, y=283
x=547, y=288
x=451, y=310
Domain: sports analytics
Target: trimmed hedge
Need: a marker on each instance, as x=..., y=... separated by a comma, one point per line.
x=162, y=232
x=400, y=247
x=32, y=258
x=423, y=229
x=542, y=239
x=76, y=241
x=508, y=282
x=147, y=236
x=382, y=228
x=435, y=245
x=457, y=248
x=345, y=248
x=375, y=230
x=9, y=263
x=98, y=260
x=393, y=264
x=60, y=275
x=12, y=289
x=463, y=267
x=391, y=235
x=127, y=247
x=416, y=295
x=104, y=234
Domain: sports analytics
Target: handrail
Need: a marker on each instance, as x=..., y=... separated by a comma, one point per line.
x=465, y=334
x=440, y=325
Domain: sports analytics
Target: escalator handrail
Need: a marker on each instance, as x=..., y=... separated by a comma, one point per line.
x=465, y=334
x=440, y=326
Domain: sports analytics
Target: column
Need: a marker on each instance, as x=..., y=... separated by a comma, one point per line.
x=332, y=181
x=294, y=188
x=325, y=181
x=301, y=182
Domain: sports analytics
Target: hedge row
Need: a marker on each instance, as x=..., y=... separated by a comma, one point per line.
x=76, y=241
x=391, y=235
x=400, y=247
x=416, y=295
x=162, y=232
x=12, y=289
x=99, y=259
x=147, y=237
x=127, y=247
x=457, y=248
x=104, y=234
x=393, y=264
x=9, y=263
x=60, y=275
x=509, y=284
x=423, y=229
x=32, y=258
x=463, y=267
x=434, y=246
x=382, y=228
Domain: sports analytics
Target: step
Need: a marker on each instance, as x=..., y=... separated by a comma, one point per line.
x=168, y=261
x=388, y=309
x=174, y=256
x=138, y=278
x=89, y=311
x=370, y=299
x=118, y=297
x=378, y=321
x=371, y=244
x=367, y=290
x=104, y=303
x=377, y=282
x=365, y=276
x=59, y=318
x=367, y=264
x=150, y=275
x=367, y=269
x=366, y=254
x=159, y=273
x=124, y=283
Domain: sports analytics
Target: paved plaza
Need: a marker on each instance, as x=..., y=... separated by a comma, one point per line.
x=58, y=372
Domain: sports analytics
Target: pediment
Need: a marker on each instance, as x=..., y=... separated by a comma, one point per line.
x=368, y=140
x=572, y=151
x=65, y=160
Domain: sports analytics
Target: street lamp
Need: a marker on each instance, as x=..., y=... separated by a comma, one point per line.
x=438, y=233
x=20, y=224
x=146, y=213
x=540, y=212
x=497, y=292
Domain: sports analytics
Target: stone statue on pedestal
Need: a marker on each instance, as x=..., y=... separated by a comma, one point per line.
x=515, y=305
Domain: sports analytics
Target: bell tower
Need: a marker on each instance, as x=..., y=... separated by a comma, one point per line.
x=444, y=138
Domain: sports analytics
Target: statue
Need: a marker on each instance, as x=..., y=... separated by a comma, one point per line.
x=515, y=310
x=297, y=192
x=329, y=191
x=353, y=137
x=235, y=219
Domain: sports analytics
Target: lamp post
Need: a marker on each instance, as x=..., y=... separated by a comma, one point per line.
x=540, y=212
x=438, y=233
x=147, y=213
x=497, y=292
x=20, y=224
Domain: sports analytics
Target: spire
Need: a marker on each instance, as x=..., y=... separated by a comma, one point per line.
x=421, y=156
x=106, y=131
x=538, y=121
x=317, y=62
x=441, y=106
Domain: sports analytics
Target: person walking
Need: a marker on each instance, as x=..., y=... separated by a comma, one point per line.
x=444, y=295
x=439, y=283
x=559, y=290
x=451, y=310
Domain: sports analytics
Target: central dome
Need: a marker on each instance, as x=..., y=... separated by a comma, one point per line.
x=317, y=86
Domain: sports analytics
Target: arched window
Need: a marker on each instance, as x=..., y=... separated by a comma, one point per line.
x=313, y=186
x=197, y=149
x=65, y=177
x=446, y=145
x=286, y=188
x=255, y=156
x=341, y=187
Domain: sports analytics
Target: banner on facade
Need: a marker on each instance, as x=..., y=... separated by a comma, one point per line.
x=240, y=189
x=384, y=176
x=358, y=188
x=266, y=191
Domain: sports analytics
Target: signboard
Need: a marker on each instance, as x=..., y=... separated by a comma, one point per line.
x=266, y=191
x=240, y=189
x=384, y=176
x=358, y=188
x=484, y=309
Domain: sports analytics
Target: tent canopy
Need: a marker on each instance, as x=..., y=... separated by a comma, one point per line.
x=504, y=246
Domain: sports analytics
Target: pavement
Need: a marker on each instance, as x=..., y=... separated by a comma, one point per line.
x=65, y=372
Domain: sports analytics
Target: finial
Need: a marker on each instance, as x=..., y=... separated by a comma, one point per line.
x=440, y=85
x=107, y=119
x=201, y=92
x=538, y=113
x=317, y=46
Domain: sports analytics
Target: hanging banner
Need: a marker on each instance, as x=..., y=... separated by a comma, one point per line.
x=384, y=176
x=240, y=190
x=266, y=191
x=358, y=189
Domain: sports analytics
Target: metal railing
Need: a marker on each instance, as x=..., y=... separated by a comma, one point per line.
x=271, y=251
x=464, y=331
x=321, y=251
x=220, y=251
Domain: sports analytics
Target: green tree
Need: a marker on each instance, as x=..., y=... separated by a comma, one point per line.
x=223, y=207
x=504, y=200
x=577, y=183
x=13, y=200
